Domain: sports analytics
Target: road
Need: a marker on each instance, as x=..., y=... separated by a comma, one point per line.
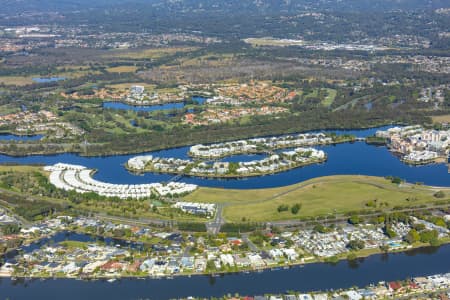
x=342, y=218
x=249, y=243
x=142, y=221
x=213, y=227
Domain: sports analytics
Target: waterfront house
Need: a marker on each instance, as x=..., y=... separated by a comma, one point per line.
x=91, y=267
x=276, y=253
x=147, y=265
x=70, y=268
x=320, y=297
x=290, y=253
x=353, y=295
x=241, y=262
x=227, y=259
x=256, y=261
x=394, y=286
x=112, y=266
x=200, y=264
x=187, y=262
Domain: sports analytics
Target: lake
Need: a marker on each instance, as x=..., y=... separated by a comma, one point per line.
x=123, y=106
x=13, y=137
x=343, y=159
x=149, y=108
x=47, y=79
x=73, y=236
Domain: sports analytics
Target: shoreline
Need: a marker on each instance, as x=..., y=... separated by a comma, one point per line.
x=437, y=160
x=343, y=141
x=226, y=176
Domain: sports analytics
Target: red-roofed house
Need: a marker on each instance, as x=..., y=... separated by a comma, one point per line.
x=112, y=266
x=394, y=286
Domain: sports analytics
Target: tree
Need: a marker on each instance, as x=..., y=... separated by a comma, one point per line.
x=10, y=229
x=396, y=180
x=412, y=236
x=381, y=219
x=283, y=207
x=429, y=236
x=354, y=220
x=389, y=232
x=296, y=208
x=351, y=256
x=321, y=229
x=355, y=245
x=439, y=194
x=384, y=248
x=419, y=226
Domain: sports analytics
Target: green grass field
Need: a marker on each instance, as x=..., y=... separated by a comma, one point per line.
x=149, y=53
x=16, y=80
x=329, y=99
x=268, y=41
x=441, y=119
x=122, y=69
x=319, y=196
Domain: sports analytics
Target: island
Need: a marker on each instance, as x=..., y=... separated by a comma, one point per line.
x=206, y=159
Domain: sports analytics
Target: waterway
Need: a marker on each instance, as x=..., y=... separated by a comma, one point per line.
x=48, y=79
x=123, y=106
x=343, y=159
x=311, y=277
x=167, y=106
x=72, y=236
x=13, y=137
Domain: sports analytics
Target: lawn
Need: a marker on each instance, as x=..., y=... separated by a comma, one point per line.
x=313, y=94
x=319, y=196
x=122, y=69
x=126, y=86
x=16, y=80
x=149, y=53
x=20, y=168
x=351, y=103
x=74, y=244
x=269, y=41
x=8, y=109
x=441, y=119
x=329, y=99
